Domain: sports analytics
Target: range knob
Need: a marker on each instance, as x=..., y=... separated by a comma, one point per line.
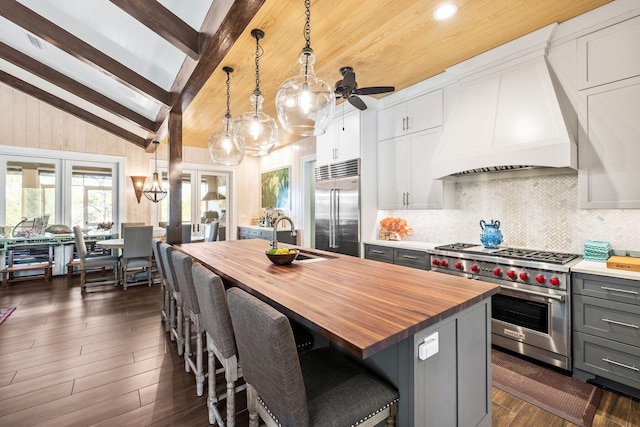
x=475, y=268
x=512, y=274
x=540, y=279
x=524, y=276
x=554, y=281
x=435, y=262
x=443, y=263
x=497, y=272
x=458, y=265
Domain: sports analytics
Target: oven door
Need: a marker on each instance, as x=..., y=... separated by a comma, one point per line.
x=533, y=322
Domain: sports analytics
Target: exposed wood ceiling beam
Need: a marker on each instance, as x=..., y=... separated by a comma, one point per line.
x=73, y=86
x=163, y=22
x=70, y=108
x=46, y=30
x=236, y=20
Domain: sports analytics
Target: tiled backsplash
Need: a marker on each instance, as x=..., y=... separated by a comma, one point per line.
x=534, y=212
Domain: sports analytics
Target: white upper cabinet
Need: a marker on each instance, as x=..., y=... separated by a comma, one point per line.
x=610, y=54
x=413, y=115
x=403, y=172
x=341, y=141
x=609, y=131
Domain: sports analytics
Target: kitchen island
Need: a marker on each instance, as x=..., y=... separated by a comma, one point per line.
x=381, y=314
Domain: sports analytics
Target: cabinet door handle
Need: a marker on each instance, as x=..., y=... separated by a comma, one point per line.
x=624, y=291
x=337, y=152
x=373, y=251
x=404, y=119
x=409, y=257
x=404, y=199
x=407, y=196
x=407, y=122
x=616, y=322
x=622, y=365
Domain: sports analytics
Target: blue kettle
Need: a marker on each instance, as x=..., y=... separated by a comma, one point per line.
x=491, y=236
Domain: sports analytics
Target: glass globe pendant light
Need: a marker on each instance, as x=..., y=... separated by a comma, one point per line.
x=304, y=102
x=226, y=147
x=155, y=192
x=260, y=132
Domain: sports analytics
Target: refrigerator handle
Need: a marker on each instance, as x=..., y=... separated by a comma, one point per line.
x=331, y=217
x=336, y=216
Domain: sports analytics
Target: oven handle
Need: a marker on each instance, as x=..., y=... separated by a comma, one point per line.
x=539, y=294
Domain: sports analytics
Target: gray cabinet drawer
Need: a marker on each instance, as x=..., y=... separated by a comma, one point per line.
x=608, y=359
x=610, y=288
x=378, y=253
x=607, y=319
x=411, y=258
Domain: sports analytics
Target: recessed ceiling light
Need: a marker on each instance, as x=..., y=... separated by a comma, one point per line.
x=445, y=11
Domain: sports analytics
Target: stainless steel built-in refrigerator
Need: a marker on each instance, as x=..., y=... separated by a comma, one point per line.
x=337, y=204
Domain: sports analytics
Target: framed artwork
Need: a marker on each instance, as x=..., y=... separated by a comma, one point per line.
x=275, y=189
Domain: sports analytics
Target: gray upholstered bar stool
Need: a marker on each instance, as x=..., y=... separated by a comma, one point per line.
x=192, y=359
x=322, y=387
x=176, y=303
x=221, y=343
x=165, y=293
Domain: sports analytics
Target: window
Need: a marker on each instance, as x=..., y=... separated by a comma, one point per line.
x=30, y=193
x=91, y=196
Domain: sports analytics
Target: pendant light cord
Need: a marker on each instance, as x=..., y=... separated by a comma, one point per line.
x=259, y=53
x=307, y=36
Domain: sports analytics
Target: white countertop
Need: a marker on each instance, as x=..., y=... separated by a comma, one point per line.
x=404, y=244
x=600, y=269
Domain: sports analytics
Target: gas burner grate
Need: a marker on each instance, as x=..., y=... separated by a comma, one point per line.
x=533, y=255
x=456, y=246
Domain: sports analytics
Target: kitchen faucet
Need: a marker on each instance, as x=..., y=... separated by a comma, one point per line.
x=274, y=242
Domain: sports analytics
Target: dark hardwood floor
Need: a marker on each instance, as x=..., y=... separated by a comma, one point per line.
x=103, y=358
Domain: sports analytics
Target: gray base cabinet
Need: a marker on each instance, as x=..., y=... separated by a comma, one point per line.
x=606, y=330
x=407, y=257
x=452, y=387
x=265, y=234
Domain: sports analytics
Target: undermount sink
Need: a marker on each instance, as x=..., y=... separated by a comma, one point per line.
x=308, y=257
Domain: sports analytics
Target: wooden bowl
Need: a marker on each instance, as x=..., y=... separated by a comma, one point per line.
x=283, y=259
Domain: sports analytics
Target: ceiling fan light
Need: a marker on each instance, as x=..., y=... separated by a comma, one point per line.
x=304, y=102
x=445, y=11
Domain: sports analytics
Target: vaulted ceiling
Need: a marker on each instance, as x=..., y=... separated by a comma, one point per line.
x=124, y=64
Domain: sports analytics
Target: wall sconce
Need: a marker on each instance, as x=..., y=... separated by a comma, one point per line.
x=138, y=184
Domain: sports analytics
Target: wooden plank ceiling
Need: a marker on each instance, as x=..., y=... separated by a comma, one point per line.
x=395, y=43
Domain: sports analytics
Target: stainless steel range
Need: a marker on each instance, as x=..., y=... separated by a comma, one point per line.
x=531, y=314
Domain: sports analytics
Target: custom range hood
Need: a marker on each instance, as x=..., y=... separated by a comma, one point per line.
x=508, y=115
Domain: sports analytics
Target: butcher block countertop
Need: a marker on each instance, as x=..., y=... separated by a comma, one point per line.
x=362, y=305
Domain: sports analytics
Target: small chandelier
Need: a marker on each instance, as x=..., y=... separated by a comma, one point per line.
x=226, y=147
x=156, y=191
x=260, y=132
x=304, y=102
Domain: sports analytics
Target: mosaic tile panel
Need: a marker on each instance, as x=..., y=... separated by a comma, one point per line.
x=534, y=212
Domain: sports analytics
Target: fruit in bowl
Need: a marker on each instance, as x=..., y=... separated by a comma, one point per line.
x=282, y=256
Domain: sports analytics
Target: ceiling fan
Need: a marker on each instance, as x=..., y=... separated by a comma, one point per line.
x=347, y=88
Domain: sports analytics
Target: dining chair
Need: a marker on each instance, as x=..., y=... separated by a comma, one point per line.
x=128, y=224
x=193, y=327
x=320, y=387
x=165, y=293
x=137, y=252
x=186, y=233
x=92, y=263
x=212, y=234
x=175, y=302
x=221, y=343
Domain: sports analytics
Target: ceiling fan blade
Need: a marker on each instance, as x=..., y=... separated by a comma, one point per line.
x=349, y=80
x=357, y=102
x=374, y=90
